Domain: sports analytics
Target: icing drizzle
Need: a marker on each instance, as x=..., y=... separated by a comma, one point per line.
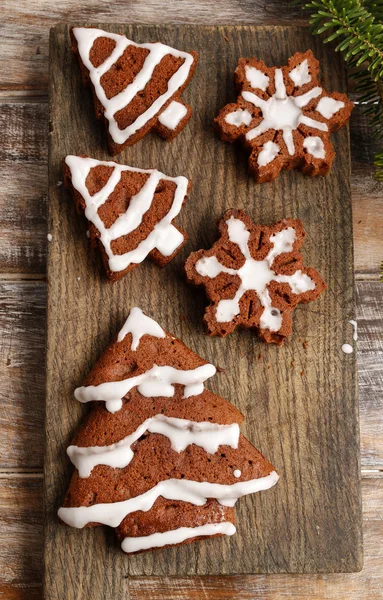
x=255, y=275
x=180, y=432
x=285, y=113
x=139, y=324
x=176, y=536
x=85, y=39
x=157, y=381
x=184, y=490
x=164, y=236
x=172, y=116
x=282, y=112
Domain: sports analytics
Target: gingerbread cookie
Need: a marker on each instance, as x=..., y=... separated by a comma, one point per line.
x=283, y=117
x=136, y=87
x=130, y=211
x=254, y=277
x=159, y=457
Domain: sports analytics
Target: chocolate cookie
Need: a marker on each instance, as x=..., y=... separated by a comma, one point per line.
x=254, y=277
x=130, y=211
x=136, y=87
x=283, y=117
x=159, y=457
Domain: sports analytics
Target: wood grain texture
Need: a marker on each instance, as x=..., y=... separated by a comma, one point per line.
x=22, y=374
x=312, y=444
x=23, y=190
x=21, y=577
x=24, y=26
x=23, y=176
x=22, y=317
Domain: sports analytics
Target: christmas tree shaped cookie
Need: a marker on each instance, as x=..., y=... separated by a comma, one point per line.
x=159, y=457
x=130, y=211
x=254, y=277
x=136, y=87
x=283, y=116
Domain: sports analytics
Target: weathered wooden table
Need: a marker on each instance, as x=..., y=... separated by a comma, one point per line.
x=24, y=27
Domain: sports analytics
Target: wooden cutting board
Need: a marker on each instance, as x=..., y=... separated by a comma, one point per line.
x=300, y=401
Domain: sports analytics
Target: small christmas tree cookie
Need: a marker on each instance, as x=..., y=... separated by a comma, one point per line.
x=136, y=87
x=130, y=211
x=159, y=457
x=283, y=117
x=254, y=277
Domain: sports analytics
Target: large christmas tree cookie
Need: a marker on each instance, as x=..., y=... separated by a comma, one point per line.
x=159, y=457
x=254, y=277
x=130, y=211
x=136, y=87
x=283, y=116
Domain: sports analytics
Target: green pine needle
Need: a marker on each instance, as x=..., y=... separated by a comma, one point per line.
x=357, y=28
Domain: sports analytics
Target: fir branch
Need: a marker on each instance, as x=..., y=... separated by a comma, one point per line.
x=357, y=27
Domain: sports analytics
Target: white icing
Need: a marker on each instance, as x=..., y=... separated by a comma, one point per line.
x=314, y=146
x=355, y=329
x=157, y=381
x=49, y=237
x=237, y=473
x=85, y=39
x=176, y=536
x=256, y=78
x=184, y=490
x=347, y=349
x=327, y=107
x=255, y=275
x=164, y=236
x=173, y=115
x=282, y=112
x=269, y=151
x=138, y=324
x=300, y=74
x=180, y=432
x=87, y=233
x=238, y=117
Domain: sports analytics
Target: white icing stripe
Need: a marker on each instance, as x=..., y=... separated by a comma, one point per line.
x=173, y=115
x=165, y=237
x=300, y=74
x=269, y=151
x=85, y=39
x=256, y=78
x=283, y=113
x=175, y=536
x=327, y=107
x=314, y=146
x=181, y=433
x=138, y=324
x=239, y=117
x=157, y=381
x=255, y=275
x=184, y=490
x=355, y=329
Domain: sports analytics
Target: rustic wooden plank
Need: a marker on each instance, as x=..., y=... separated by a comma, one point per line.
x=23, y=157
x=21, y=529
x=370, y=351
x=22, y=376
x=367, y=197
x=24, y=26
x=21, y=559
x=328, y=429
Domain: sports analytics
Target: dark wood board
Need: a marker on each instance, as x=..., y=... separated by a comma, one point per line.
x=300, y=403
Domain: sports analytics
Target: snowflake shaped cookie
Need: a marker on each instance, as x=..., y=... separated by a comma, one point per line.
x=284, y=117
x=254, y=277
